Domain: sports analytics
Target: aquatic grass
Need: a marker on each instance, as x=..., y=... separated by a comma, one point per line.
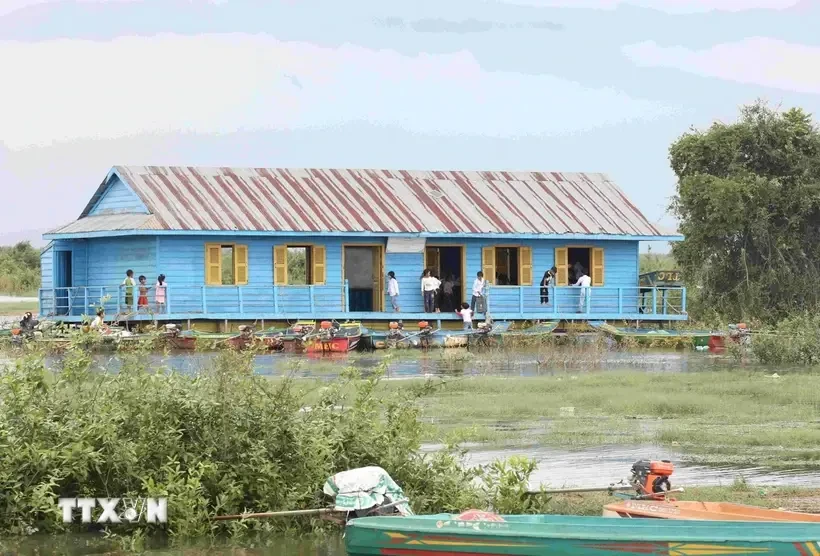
x=718, y=411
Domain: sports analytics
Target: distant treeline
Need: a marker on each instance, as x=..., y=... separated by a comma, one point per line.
x=650, y=262
x=19, y=269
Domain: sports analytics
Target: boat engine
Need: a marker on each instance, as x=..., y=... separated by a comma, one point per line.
x=395, y=331
x=425, y=333
x=326, y=331
x=652, y=477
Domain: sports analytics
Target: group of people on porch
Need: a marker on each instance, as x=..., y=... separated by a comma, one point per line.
x=436, y=293
x=129, y=284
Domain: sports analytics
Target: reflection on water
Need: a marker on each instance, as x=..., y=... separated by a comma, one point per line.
x=416, y=363
x=83, y=544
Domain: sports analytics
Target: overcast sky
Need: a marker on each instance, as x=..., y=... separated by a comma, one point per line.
x=555, y=85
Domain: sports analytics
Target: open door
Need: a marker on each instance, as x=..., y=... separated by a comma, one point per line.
x=378, y=279
x=364, y=273
x=62, y=281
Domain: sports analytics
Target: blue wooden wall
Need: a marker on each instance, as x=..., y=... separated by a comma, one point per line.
x=47, y=267
x=119, y=198
x=103, y=262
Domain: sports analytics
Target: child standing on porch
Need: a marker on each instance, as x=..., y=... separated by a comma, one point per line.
x=129, y=284
x=159, y=295
x=466, y=315
x=393, y=290
x=142, y=301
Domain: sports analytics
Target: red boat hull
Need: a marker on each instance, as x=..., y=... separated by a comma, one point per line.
x=333, y=345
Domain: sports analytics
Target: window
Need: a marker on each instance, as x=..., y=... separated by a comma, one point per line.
x=571, y=261
x=299, y=265
x=226, y=264
x=507, y=265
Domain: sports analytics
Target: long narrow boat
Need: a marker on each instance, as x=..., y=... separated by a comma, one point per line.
x=292, y=339
x=707, y=511
x=426, y=336
x=650, y=336
x=330, y=339
x=446, y=534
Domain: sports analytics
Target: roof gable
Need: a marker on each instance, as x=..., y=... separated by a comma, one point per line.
x=383, y=201
x=114, y=196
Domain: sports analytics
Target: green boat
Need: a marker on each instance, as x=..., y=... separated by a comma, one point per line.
x=648, y=336
x=537, y=535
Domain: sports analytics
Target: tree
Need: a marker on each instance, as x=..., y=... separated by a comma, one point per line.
x=19, y=269
x=748, y=202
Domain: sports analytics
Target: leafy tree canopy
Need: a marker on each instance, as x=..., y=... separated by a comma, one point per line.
x=748, y=202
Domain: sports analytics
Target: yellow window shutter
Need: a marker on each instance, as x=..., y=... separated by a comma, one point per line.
x=488, y=263
x=562, y=263
x=597, y=266
x=240, y=264
x=319, y=256
x=213, y=264
x=525, y=262
x=280, y=265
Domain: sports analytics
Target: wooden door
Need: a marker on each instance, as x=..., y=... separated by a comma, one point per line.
x=378, y=279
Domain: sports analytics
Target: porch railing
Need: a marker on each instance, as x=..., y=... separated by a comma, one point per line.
x=525, y=301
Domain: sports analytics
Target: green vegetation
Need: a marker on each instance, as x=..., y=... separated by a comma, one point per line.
x=19, y=269
x=297, y=265
x=222, y=442
x=742, y=417
x=748, y=202
x=18, y=308
x=650, y=262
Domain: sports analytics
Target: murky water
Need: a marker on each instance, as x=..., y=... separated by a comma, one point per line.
x=84, y=544
x=603, y=465
x=416, y=363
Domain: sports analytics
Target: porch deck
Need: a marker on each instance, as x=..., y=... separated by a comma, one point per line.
x=244, y=303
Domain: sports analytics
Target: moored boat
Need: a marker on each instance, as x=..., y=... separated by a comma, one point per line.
x=652, y=336
x=333, y=338
x=694, y=511
x=536, y=535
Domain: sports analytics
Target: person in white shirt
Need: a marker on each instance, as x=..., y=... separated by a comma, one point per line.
x=98, y=323
x=466, y=315
x=429, y=286
x=393, y=290
x=479, y=284
x=584, y=281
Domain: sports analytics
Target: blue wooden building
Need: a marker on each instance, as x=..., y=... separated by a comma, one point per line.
x=241, y=245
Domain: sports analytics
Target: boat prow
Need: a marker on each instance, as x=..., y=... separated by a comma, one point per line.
x=701, y=511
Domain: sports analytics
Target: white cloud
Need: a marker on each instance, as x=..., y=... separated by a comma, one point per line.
x=69, y=89
x=8, y=6
x=670, y=6
x=754, y=61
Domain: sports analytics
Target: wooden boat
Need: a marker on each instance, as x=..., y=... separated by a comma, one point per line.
x=292, y=339
x=650, y=336
x=335, y=339
x=191, y=339
x=447, y=534
x=426, y=336
x=714, y=511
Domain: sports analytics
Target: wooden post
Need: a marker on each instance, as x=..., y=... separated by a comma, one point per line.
x=521, y=300
x=312, y=300
x=654, y=301
x=275, y=299
x=204, y=301
x=683, y=300
x=241, y=302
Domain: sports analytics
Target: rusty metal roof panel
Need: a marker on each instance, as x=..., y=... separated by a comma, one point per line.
x=109, y=222
x=384, y=201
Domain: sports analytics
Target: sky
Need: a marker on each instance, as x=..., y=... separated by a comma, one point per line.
x=552, y=85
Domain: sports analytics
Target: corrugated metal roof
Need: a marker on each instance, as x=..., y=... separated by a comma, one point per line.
x=327, y=200
x=109, y=222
